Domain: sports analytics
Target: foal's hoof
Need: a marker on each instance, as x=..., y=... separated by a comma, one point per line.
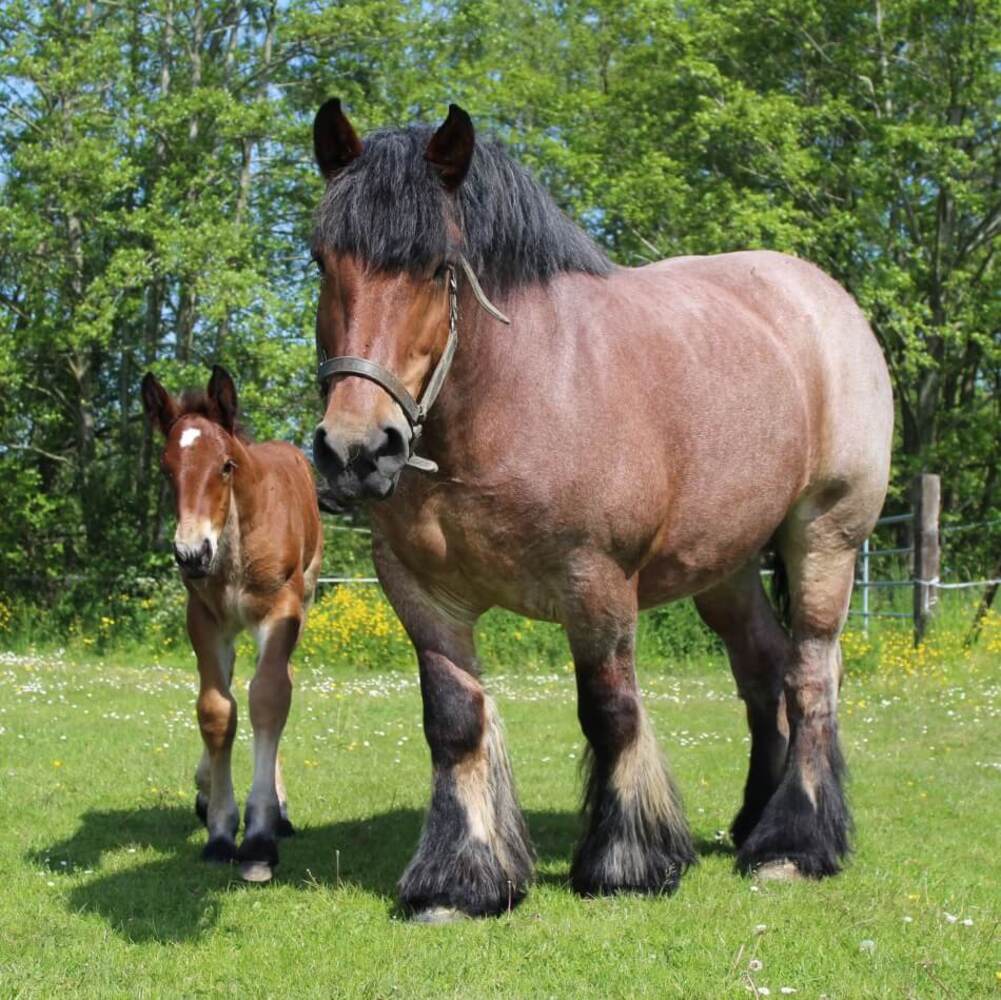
x=220, y=851
x=284, y=828
x=258, y=857
x=202, y=808
x=256, y=871
x=778, y=871
x=439, y=915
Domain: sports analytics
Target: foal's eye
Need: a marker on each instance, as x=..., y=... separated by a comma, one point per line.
x=318, y=261
x=227, y=468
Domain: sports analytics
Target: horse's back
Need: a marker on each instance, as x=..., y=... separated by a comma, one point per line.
x=823, y=334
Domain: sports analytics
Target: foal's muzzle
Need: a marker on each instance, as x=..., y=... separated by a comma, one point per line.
x=362, y=467
x=194, y=560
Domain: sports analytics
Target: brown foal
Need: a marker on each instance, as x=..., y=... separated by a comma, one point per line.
x=248, y=545
x=633, y=437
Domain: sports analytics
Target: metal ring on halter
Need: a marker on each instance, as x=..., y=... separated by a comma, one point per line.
x=414, y=410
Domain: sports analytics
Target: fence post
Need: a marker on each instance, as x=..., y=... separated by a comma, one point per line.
x=865, y=588
x=926, y=497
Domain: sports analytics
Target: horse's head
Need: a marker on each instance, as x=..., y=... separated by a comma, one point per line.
x=199, y=460
x=385, y=244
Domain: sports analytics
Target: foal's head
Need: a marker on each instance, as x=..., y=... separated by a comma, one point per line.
x=400, y=209
x=199, y=461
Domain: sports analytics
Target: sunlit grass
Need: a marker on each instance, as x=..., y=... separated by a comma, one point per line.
x=105, y=895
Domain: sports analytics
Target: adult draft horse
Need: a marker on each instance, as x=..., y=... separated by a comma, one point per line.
x=248, y=545
x=632, y=437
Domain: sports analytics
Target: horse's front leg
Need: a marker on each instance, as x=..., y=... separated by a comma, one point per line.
x=217, y=722
x=636, y=836
x=270, y=697
x=474, y=855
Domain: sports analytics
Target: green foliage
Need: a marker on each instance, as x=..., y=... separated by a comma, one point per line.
x=156, y=190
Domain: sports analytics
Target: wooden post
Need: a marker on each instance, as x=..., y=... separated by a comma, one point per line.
x=926, y=497
x=865, y=588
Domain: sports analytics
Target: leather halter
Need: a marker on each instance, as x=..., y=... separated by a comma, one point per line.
x=416, y=411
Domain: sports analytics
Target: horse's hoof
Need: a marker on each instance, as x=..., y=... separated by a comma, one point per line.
x=202, y=808
x=778, y=871
x=284, y=828
x=219, y=851
x=439, y=915
x=256, y=871
x=258, y=857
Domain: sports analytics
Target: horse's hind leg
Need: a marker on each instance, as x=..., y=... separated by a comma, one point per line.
x=759, y=649
x=270, y=697
x=217, y=722
x=474, y=855
x=636, y=837
x=806, y=822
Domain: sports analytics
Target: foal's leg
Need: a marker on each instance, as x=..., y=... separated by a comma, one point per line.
x=285, y=827
x=806, y=822
x=270, y=697
x=637, y=838
x=203, y=773
x=759, y=649
x=217, y=722
x=474, y=855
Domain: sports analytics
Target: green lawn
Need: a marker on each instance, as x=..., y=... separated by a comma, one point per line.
x=104, y=893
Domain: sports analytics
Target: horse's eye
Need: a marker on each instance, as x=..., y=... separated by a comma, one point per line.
x=318, y=261
x=440, y=272
x=227, y=468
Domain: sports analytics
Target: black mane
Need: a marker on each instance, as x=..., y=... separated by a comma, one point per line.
x=388, y=209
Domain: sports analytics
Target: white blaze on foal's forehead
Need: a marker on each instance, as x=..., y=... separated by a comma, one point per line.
x=189, y=436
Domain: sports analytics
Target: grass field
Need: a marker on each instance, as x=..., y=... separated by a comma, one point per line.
x=104, y=894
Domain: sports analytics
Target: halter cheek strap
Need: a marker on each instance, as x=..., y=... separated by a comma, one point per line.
x=416, y=411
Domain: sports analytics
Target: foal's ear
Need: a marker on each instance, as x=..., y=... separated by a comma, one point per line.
x=161, y=410
x=222, y=393
x=335, y=142
x=450, y=150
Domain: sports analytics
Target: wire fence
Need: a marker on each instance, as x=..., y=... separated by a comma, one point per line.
x=923, y=540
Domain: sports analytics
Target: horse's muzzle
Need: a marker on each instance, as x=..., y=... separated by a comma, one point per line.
x=362, y=469
x=194, y=561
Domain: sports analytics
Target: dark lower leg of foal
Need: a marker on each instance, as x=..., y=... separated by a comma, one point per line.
x=759, y=649
x=806, y=821
x=270, y=697
x=203, y=773
x=216, y=710
x=636, y=837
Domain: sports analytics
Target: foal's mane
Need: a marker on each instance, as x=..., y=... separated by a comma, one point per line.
x=197, y=403
x=388, y=208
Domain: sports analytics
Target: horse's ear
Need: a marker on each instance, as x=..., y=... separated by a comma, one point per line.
x=161, y=410
x=222, y=394
x=335, y=142
x=450, y=150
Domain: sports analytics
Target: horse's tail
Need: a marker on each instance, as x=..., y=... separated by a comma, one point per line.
x=780, y=588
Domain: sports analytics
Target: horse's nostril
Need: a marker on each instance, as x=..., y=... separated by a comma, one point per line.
x=393, y=444
x=327, y=457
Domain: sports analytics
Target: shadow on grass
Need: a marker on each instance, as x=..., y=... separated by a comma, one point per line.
x=178, y=897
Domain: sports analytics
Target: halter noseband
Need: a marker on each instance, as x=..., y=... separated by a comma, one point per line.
x=416, y=411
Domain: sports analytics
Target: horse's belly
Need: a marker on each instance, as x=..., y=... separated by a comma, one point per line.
x=671, y=576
